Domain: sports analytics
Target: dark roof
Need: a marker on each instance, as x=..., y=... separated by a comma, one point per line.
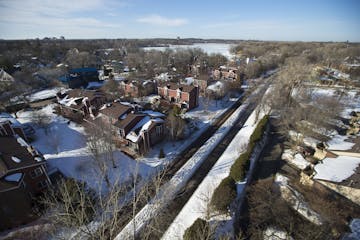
x=129, y=119
x=115, y=110
x=175, y=86
x=82, y=70
x=11, y=147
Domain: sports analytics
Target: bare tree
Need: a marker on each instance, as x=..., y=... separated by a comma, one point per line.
x=175, y=123
x=42, y=120
x=99, y=152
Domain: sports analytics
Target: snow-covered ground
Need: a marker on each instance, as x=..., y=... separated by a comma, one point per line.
x=342, y=167
x=355, y=230
x=336, y=169
x=180, y=178
x=295, y=159
x=209, y=48
x=64, y=147
x=197, y=205
x=296, y=200
x=340, y=142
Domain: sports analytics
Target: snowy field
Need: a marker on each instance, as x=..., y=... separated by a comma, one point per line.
x=197, y=205
x=64, y=147
x=342, y=167
x=340, y=142
x=209, y=48
x=336, y=169
x=295, y=159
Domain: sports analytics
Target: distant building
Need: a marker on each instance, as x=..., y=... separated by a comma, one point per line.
x=185, y=96
x=23, y=176
x=80, y=77
x=202, y=84
x=226, y=73
x=137, y=88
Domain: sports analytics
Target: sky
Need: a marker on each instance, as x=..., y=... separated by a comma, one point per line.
x=286, y=20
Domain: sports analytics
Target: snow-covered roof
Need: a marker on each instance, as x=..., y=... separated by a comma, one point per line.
x=188, y=80
x=218, y=86
x=69, y=101
x=7, y=117
x=22, y=142
x=44, y=94
x=94, y=85
x=154, y=114
x=145, y=123
x=16, y=177
x=15, y=159
x=163, y=77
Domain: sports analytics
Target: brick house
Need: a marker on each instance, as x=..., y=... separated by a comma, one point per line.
x=227, y=73
x=202, y=84
x=136, y=131
x=184, y=96
x=23, y=176
x=77, y=104
x=137, y=88
x=9, y=126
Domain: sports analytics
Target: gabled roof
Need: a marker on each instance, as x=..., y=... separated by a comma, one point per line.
x=75, y=97
x=5, y=77
x=145, y=124
x=15, y=153
x=175, y=86
x=5, y=117
x=115, y=110
x=130, y=118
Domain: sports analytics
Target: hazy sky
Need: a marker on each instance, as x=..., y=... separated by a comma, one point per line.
x=318, y=20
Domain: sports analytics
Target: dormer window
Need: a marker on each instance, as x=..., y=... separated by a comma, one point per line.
x=36, y=172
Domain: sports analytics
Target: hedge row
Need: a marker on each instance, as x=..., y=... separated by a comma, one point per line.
x=242, y=164
x=225, y=193
x=200, y=229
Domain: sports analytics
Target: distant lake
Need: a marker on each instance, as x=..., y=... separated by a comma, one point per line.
x=209, y=48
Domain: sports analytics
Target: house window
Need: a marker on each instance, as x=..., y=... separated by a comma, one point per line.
x=36, y=172
x=158, y=130
x=42, y=184
x=122, y=132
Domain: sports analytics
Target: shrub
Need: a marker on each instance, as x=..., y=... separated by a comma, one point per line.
x=238, y=169
x=242, y=164
x=224, y=195
x=199, y=230
x=161, y=153
x=259, y=130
